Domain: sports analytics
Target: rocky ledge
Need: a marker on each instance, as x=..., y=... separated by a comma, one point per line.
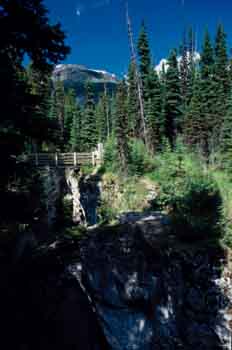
x=131, y=286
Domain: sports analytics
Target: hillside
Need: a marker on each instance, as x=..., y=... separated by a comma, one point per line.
x=76, y=76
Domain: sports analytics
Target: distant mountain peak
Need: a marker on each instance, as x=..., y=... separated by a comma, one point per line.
x=76, y=76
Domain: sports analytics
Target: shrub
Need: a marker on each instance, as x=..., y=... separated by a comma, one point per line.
x=111, y=154
x=141, y=161
x=189, y=194
x=196, y=210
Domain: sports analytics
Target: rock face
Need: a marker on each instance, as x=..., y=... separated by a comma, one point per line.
x=75, y=76
x=80, y=192
x=159, y=296
x=132, y=286
x=78, y=212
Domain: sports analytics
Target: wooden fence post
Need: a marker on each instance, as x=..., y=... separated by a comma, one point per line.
x=93, y=158
x=75, y=158
x=100, y=152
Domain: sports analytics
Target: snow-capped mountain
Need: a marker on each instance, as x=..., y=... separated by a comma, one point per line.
x=76, y=76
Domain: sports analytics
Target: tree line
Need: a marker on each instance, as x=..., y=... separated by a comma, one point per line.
x=190, y=98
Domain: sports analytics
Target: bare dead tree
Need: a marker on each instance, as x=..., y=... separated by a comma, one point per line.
x=137, y=75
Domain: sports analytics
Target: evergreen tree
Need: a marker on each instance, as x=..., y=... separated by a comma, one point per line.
x=60, y=111
x=40, y=87
x=194, y=128
x=155, y=120
x=76, y=142
x=70, y=110
x=221, y=60
x=173, y=100
x=207, y=58
x=191, y=64
x=144, y=66
x=43, y=43
x=103, y=118
x=89, y=125
x=208, y=94
x=184, y=72
x=226, y=136
x=121, y=127
x=221, y=77
x=144, y=55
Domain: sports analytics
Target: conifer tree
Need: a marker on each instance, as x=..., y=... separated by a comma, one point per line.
x=103, y=118
x=155, y=120
x=172, y=108
x=60, y=110
x=70, y=110
x=144, y=55
x=184, y=72
x=75, y=141
x=221, y=76
x=121, y=127
x=194, y=127
x=89, y=125
x=191, y=64
x=226, y=136
x=208, y=93
x=221, y=60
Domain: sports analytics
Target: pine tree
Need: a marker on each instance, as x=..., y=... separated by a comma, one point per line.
x=103, y=118
x=184, y=72
x=208, y=94
x=60, y=111
x=155, y=120
x=191, y=64
x=40, y=87
x=172, y=108
x=144, y=56
x=221, y=60
x=70, y=110
x=194, y=131
x=121, y=127
x=226, y=136
x=75, y=141
x=221, y=77
x=89, y=125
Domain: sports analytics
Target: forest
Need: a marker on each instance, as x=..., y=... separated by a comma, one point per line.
x=172, y=125
x=133, y=251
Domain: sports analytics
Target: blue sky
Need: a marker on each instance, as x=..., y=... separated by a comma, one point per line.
x=97, y=31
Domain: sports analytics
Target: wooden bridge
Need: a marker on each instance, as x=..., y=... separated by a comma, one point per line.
x=67, y=160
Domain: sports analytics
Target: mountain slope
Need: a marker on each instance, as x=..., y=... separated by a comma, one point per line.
x=76, y=76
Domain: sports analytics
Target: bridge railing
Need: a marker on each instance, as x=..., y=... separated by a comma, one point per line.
x=64, y=160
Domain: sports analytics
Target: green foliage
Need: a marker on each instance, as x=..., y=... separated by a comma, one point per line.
x=226, y=137
x=20, y=123
x=191, y=196
x=155, y=120
x=121, y=127
x=172, y=109
x=103, y=118
x=144, y=56
x=89, y=125
x=141, y=162
x=111, y=155
x=76, y=141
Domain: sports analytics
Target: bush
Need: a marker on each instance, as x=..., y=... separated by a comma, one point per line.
x=189, y=194
x=197, y=209
x=111, y=155
x=141, y=161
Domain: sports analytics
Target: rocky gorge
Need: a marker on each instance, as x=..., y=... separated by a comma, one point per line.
x=133, y=285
